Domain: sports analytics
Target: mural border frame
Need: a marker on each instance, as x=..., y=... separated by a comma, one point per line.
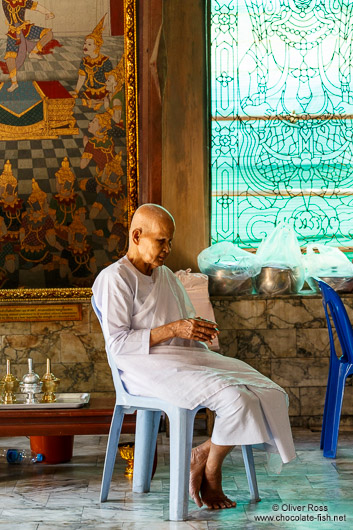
x=130, y=51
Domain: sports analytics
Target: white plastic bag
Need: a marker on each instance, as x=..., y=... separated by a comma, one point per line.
x=325, y=261
x=229, y=268
x=330, y=264
x=280, y=250
x=196, y=286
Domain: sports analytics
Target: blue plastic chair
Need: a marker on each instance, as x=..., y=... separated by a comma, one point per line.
x=339, y=368
x=181, y=422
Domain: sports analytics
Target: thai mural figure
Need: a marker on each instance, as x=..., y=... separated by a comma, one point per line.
x=23, y=37
x=11, y=206
x=114, y=234
x=111, y=187
x=99, y=147
x=93, y=68
x=37, y=233
x=7, y=258
x=66, y=201
x=114, y=101
x=11, y=210
x=117, y=240
x=77, y=261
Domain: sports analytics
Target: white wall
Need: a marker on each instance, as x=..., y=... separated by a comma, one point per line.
x=72, y=17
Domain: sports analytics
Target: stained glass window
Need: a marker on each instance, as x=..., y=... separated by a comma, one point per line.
x=282, y=110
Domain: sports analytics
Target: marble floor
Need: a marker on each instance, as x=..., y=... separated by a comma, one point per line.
x=311, y=493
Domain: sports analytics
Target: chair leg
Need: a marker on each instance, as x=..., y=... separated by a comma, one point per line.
x=181, y=432
x=334, y=416
x=210, y=416
x=147, y=425
x=250, y=472
x=324, y=418
x=112, y=447
x=331, y=381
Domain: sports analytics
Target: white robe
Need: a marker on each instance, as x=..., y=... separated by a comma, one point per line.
x=183, y=372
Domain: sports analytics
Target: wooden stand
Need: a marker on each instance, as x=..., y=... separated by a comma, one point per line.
x=52, y=431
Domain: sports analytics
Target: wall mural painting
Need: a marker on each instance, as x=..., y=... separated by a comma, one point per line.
x=65, y=199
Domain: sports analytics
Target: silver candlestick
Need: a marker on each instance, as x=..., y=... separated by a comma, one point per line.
x=31, y=384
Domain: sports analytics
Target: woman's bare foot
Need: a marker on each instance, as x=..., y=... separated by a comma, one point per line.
x=211, y=491
x=197, y=467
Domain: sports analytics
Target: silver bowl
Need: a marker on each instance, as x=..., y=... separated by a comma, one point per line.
x=222, y=283
x=342, y=284
x=273, y=281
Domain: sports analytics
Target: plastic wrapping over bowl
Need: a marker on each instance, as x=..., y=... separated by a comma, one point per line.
x=338, y=283
x=277, y=280
x=228, y=268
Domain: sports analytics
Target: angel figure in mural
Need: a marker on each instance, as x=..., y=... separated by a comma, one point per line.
x=24, y=37
x=111, y=187
x=37, y=232
x=65, y=202
x=8, y=276
x=11, y=210
x=77, y=261
x=11, y=206
x=113, y=236
x=93, y=68
x=115, y=99
x=98, y=147
x=109, y=184
x=117, y=240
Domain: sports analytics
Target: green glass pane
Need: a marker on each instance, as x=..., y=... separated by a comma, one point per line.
x=282, y=109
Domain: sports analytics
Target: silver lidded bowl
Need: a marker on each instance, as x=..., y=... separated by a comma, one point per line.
x=279, y=280
x=342, y=284
x=31, y=384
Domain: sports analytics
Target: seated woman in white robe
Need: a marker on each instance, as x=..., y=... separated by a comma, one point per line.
x=160, y=348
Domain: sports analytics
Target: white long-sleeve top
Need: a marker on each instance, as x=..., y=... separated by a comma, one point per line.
x=184, y=372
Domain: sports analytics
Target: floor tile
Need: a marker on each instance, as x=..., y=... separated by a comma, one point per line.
x=66, y=496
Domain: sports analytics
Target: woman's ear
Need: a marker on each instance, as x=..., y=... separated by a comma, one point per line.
x=136, y=236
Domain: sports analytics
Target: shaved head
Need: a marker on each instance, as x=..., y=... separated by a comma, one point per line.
x=148, y=215
x=150, y=237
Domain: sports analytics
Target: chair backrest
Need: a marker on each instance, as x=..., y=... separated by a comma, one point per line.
x=333, y=305
x=118, y=384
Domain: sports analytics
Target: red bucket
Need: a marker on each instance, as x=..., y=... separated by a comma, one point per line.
x=56, y=449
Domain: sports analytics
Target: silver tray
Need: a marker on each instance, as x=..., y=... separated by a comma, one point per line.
x=63, y=401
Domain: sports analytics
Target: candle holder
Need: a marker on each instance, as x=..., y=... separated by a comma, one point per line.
x=9, y=385
x=126, y=451
x=31, y=384
x=50, y=384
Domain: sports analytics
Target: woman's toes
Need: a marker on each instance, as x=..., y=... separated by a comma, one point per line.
x=197, y=500
x=229, y=504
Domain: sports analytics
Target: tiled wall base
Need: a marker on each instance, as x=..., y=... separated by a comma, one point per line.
x=285, y=338
x=76, y=350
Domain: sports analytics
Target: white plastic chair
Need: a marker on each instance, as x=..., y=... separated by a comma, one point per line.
x=147, y=423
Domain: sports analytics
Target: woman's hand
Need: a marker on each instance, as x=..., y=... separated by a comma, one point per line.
x=187, y=328
x=195, y=329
